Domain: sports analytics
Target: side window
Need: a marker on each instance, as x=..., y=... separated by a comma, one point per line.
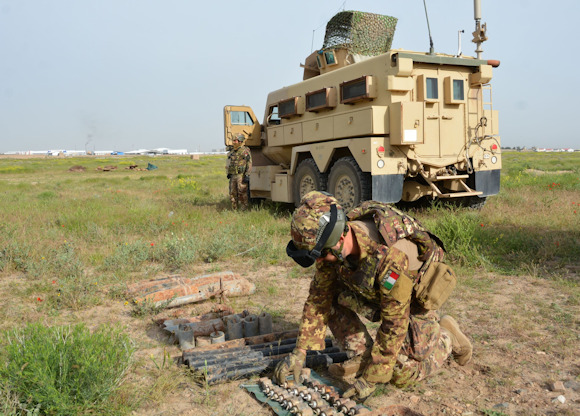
x=432, y=89
x=273, y=117
x=241, y=118
x=360, y=89
x=458, y=90
x=329, y=58
x=454, y=90
x=427, y=88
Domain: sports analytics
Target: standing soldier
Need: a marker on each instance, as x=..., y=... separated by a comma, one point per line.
x=382, y=264
x=239, y=166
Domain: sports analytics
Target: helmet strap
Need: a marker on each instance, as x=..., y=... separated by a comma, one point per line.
x=338, y=253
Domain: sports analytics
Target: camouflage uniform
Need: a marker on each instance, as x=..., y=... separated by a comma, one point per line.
x=239, y=166
x=409, y=344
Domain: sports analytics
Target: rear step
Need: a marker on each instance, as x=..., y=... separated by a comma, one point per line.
x=468, y=190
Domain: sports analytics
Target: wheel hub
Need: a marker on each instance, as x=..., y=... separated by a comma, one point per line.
x=344, y=192
x=307, y=184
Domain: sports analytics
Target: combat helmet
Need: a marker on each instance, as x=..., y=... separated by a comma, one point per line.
x=317, y=224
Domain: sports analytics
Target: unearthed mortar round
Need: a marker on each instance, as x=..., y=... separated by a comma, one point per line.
x=217, y=337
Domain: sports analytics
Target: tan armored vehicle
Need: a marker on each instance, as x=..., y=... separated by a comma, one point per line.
x=368, y=122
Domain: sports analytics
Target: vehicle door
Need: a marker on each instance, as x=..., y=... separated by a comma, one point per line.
x=241, y=119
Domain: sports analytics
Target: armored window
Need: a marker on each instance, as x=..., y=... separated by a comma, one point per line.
x=432, y=88
x=273, y=117
x=318, y=100
x=359, y=89
x=454, y=90
x=329, y=58
x=291, y=107
x=241, y=118
x=319, y=62
x=427, y=88
x=458, y=89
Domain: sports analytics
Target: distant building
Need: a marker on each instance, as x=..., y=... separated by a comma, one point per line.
x=159, y=151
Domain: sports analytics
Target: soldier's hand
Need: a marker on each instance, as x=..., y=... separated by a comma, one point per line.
x=291, y=365
x=360, y=389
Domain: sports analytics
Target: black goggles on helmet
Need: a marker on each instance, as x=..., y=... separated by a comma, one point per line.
x=306, y=258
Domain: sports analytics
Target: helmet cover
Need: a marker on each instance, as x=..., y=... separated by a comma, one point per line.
x=311, y=218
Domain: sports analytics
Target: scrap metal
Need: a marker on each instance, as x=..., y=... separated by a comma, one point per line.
x=177, y=290
x=232, y=363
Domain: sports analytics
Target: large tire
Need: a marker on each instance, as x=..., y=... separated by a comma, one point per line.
x=348, y=183
x=471, y=202
x=307, y=178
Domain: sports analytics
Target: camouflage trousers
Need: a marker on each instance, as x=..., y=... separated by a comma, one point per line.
x=239, y=192
x=424, y=351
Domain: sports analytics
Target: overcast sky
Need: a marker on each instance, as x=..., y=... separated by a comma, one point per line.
x=128, y=74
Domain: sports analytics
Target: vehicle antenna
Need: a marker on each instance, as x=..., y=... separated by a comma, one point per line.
x=431, y=49
x=324, y=24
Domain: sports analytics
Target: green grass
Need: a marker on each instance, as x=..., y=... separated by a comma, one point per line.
x=63, y=370
x=77, y=225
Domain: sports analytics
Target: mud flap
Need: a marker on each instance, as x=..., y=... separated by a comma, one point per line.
x=486, y=181
x=388, y=188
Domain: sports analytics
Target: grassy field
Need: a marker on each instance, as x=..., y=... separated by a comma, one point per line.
x=70, y=242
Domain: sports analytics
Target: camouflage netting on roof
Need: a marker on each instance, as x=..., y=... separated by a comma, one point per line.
x=361, y=33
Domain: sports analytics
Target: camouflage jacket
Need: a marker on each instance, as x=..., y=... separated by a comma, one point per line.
x=380, y=279
x=239, y=161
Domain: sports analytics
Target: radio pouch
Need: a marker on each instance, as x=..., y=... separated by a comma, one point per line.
x=435, y=285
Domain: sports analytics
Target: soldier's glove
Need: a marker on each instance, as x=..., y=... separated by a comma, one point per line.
x=291, y=365
x=229, y=175
x=360, y=389
x=246, y=179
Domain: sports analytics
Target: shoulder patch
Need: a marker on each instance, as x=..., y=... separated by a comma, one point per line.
x=390, y=279
x=403, y=289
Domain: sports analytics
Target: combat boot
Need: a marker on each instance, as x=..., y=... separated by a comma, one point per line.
x=460, y=345
x=352, y=367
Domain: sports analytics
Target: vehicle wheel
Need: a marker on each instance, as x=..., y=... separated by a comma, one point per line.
x=307, y=178
x=348, y=183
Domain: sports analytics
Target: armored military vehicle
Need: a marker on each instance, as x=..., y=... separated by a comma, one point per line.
x=369, y=122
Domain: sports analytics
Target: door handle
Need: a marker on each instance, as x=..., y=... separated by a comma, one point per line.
x=432, y=117
x=447, y=117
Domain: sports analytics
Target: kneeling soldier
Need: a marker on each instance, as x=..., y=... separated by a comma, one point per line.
x=371, y=264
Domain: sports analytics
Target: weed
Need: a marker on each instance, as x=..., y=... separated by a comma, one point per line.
x=185, y=183
x=64, y=370
x=164, y=363
x=179, y=251
x=272, y=290
x=459, y=231
x=15, y=255
x=126, y=256
x=148, y=307
x=218, y=247
x=382, y=390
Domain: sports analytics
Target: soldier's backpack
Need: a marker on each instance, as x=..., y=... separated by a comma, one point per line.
x=435, y=280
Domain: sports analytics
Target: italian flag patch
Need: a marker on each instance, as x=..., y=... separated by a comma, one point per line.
x=391, y=279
